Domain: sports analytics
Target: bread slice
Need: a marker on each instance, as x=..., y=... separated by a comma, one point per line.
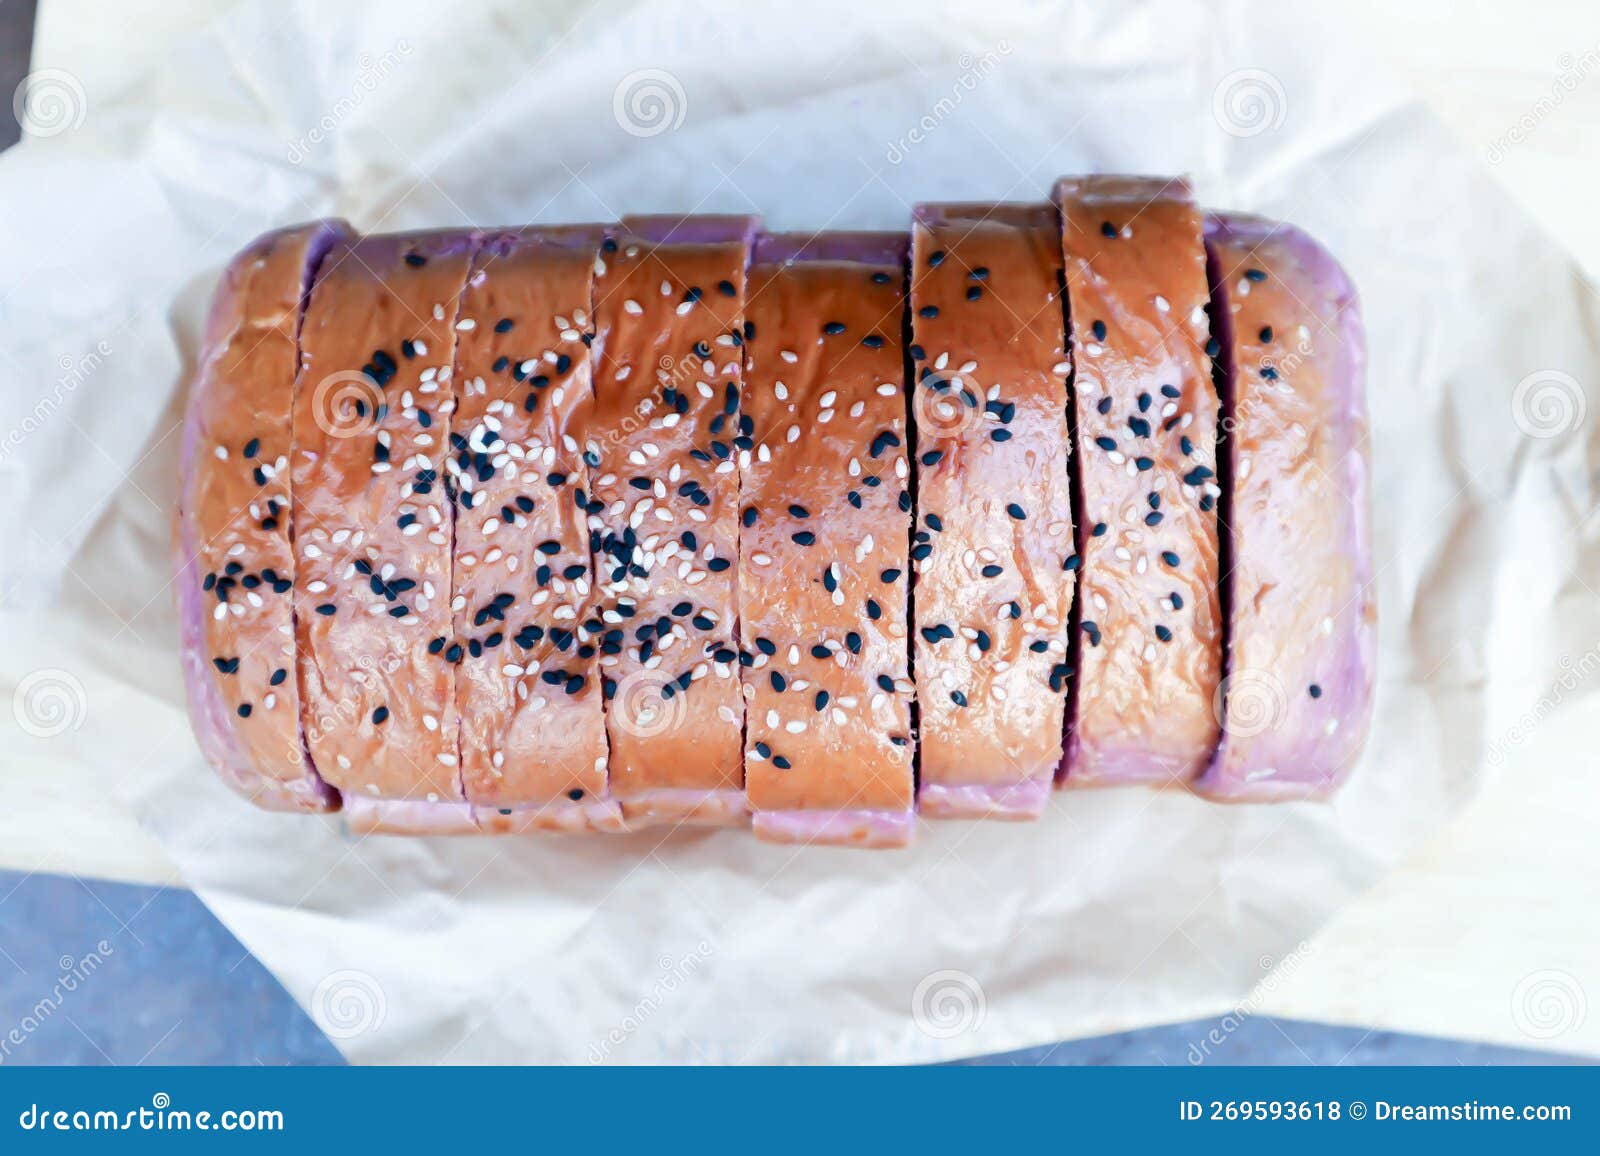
x=533, y=738
x=994, y=548
x=235, y=565
x=825, y=509
x=373, y=527
x=1297, y=695
x=1150, y=627
x=668, y=316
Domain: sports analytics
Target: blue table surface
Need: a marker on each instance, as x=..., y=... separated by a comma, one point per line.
x=179, y=989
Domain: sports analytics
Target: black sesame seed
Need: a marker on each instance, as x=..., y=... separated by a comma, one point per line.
x=380, y=716
x=416, y=260
x=1314, y=690
x=1099, y=330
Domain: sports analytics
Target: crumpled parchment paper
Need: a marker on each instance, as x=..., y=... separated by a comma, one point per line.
x=1119, y=908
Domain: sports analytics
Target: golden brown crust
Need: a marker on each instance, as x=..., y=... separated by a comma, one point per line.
x=236, y=565
x=667, y=375
x=824, y=514
x=1150, y=629
x=373, y=520
x=995, y=526
x=528, y=687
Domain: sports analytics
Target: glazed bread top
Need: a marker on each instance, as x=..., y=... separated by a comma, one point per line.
x=994, y=537
x=1149, y=616
x=235, y=565
x=528, y=688
x=373, y=518
x=668, y=366
x=824, y=512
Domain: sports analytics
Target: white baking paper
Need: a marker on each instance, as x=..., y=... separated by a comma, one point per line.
x=1119, y=908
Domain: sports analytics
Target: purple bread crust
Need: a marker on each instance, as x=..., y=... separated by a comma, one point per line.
x=1014, y=801
x=1301, y=759
x=668, y=229
x=872, y=829
x=867, y=248
x=214, y=725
